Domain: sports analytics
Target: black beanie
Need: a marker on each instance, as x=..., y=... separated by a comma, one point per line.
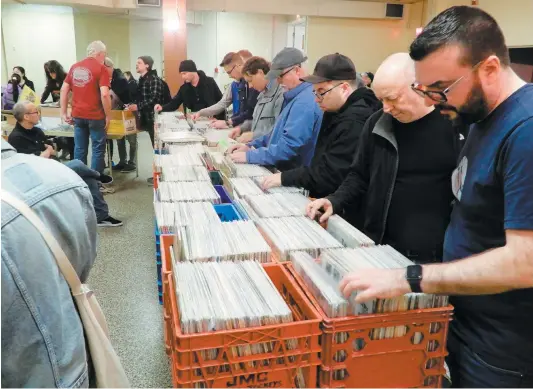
x=188, y=66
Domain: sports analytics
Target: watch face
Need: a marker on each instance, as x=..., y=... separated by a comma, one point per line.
x=414, y=272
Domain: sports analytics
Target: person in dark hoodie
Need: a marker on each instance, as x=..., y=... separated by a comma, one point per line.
x=121, y=96
x=197, y=92
x=346, y=109
x=132, y=83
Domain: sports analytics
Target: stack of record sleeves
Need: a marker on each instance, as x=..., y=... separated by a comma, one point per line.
x=171, y=216
x=347, y=234
x=279, y=204
x=230, y=241
x=184, y=173
x=187, y=191
x=290, y=234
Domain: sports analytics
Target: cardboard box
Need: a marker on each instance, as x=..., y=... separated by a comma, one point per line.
x=122, y=123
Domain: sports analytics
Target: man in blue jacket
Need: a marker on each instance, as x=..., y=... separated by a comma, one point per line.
x=292, y=142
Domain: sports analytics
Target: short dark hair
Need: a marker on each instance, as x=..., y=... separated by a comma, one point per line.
x=254, y=64
x=471, y=28
x=147, y=61
x=228, y=58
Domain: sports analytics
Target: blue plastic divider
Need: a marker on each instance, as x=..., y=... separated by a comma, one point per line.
x=227, y=212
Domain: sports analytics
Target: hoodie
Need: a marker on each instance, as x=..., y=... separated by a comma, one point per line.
x=204, y=95
x=336, y=144
x=119, y=86
x=292, y=141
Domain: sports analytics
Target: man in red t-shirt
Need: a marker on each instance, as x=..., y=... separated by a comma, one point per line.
x=91, y=105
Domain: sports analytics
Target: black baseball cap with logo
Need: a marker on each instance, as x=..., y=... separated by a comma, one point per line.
x=332, y=67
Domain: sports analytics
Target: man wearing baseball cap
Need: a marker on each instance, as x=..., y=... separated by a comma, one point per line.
x=291, y=143
x=197, y=92
x=346, y=109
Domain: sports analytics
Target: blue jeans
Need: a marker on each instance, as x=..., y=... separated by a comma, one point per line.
x=83, y=128
x=469, y=370
x=91, y=178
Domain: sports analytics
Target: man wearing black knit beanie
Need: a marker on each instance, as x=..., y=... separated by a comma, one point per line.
x=197, y=92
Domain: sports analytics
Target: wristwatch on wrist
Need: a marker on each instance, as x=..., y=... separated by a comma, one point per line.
x=413, y=275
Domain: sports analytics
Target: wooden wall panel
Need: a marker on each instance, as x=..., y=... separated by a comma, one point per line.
x=174, y=41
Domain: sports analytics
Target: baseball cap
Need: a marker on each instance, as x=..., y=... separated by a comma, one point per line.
x=289, y=56
x=332, y=67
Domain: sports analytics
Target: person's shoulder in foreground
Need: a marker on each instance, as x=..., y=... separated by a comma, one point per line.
x=42, y=336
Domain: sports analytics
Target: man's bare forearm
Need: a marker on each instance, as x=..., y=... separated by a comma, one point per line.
x=63, y=99
x=106, y=103
x=494, y=271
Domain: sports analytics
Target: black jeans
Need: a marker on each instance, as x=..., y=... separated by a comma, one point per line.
x=469, y=370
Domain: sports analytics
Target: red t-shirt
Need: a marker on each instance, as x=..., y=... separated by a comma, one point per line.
x=85, y=79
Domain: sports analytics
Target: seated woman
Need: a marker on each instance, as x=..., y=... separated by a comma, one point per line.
x=24, y=80
x=11, y=92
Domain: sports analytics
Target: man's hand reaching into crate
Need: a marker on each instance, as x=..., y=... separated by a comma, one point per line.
x=499, y=270
x=375, y=283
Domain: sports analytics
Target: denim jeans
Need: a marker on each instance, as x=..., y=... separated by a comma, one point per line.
x=91, y=178
x=469, y=370
x=132, y=140
x=83, y=128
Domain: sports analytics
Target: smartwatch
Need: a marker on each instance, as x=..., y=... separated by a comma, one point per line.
x=413, y=275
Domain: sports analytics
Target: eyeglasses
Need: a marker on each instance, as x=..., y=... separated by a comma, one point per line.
x=442, y=96
x=320, y=96
x=232, y=69
x=32, y=113
x=287, y=72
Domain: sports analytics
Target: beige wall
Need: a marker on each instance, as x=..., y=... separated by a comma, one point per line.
x=111, y=30
x=515, y=17
x=366, y=42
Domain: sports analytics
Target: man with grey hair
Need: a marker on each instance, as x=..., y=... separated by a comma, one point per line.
x=89, y=82
x=26, y=138
x=400, y=179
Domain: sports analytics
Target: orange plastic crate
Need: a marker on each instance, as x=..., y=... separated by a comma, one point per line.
x=283, y=366
x=411, y=355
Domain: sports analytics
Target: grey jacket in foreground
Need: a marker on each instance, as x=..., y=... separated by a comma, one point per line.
x=42, y=335
x=269, y=103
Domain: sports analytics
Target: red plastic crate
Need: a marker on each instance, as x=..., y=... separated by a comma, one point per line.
x=411, y=354
x=283, y=366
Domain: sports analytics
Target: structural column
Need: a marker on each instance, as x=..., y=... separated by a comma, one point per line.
x=174, y=40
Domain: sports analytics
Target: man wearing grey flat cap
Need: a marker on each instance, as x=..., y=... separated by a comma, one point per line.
x=291, y=143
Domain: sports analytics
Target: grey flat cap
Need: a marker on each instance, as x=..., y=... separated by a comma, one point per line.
x=286, y=58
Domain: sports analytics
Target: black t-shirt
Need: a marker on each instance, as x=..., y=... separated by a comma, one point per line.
x=493, y=185
x=421, y=200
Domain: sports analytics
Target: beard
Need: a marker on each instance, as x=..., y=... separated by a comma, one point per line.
x=474, y=110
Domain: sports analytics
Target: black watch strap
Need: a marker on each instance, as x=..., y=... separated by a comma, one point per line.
x=413, y=275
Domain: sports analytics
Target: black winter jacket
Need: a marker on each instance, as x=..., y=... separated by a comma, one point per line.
x=335, y=148
x=132, y=85
x=370, y=182
x=208, y=92
x=119, y=86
